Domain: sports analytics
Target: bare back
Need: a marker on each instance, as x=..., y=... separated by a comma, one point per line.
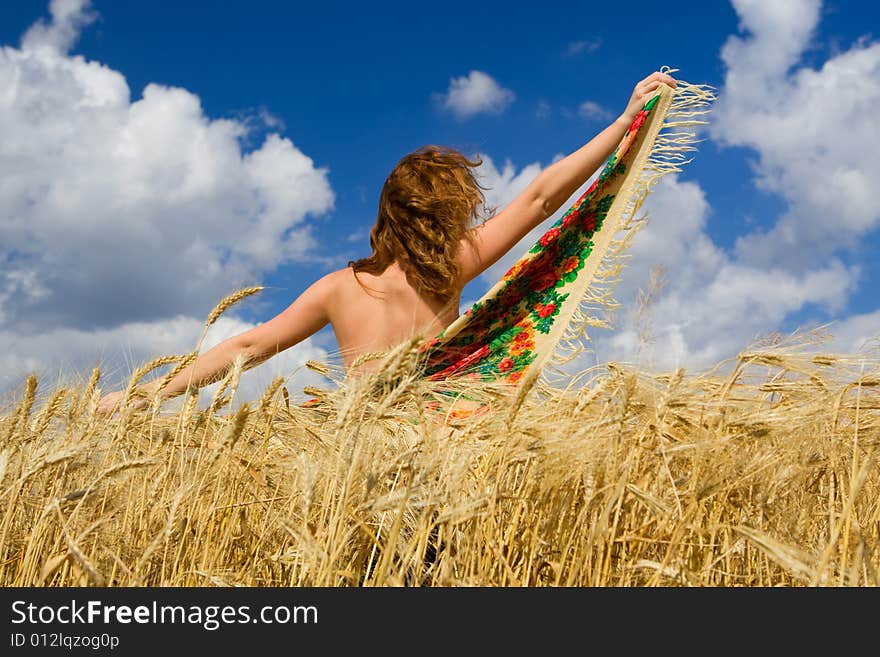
x=380, y=312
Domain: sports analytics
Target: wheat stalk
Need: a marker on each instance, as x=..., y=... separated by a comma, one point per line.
x=229, y=301
x=761, y=473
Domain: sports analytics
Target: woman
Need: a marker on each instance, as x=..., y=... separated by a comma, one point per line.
x=424, y=253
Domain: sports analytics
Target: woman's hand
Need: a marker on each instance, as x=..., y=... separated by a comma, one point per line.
x=643, y=91
x=109, y=403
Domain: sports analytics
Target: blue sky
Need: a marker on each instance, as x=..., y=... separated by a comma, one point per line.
x=354, y=86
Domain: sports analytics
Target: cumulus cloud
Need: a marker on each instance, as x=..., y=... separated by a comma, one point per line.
x=117, y=210
x=125, y=219
x=714, y=304
x=59, y=34
x=811, y=128
x=855, y=334
x=475, y=93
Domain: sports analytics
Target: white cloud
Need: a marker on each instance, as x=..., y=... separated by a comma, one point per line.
x=593, y=111
x=59, y=34
x=115, y=211
x=475, y=93
x=713, y=304
x=812, y=129
x=781, y=29
x=855, y=334
x=123, y=222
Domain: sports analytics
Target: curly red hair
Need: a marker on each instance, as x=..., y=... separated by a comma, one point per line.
x=426, y=208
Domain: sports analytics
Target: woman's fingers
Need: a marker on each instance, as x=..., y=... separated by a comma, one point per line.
x=657, y=75
x=109, y=403
x=653, y=80
x=644, y=89
x=648, y=87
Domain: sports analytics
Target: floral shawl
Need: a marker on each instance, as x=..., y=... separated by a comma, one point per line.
x=543, y=299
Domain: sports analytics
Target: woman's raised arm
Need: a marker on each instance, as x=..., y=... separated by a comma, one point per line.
x=550, y=189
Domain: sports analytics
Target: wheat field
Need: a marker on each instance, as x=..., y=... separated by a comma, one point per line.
x=761, y=472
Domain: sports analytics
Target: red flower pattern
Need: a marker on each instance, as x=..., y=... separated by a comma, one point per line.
x=549, y=236
x=638, y=121
x=546, y=310
x=522, y=336
x=520, y=347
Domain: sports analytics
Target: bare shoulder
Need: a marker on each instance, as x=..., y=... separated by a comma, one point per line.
x=331, y=284
x=326, y=282
x=335, y=277
x=338, y=278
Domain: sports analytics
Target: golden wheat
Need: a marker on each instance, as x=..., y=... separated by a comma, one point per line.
x=229, y=301
x=761, y=472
